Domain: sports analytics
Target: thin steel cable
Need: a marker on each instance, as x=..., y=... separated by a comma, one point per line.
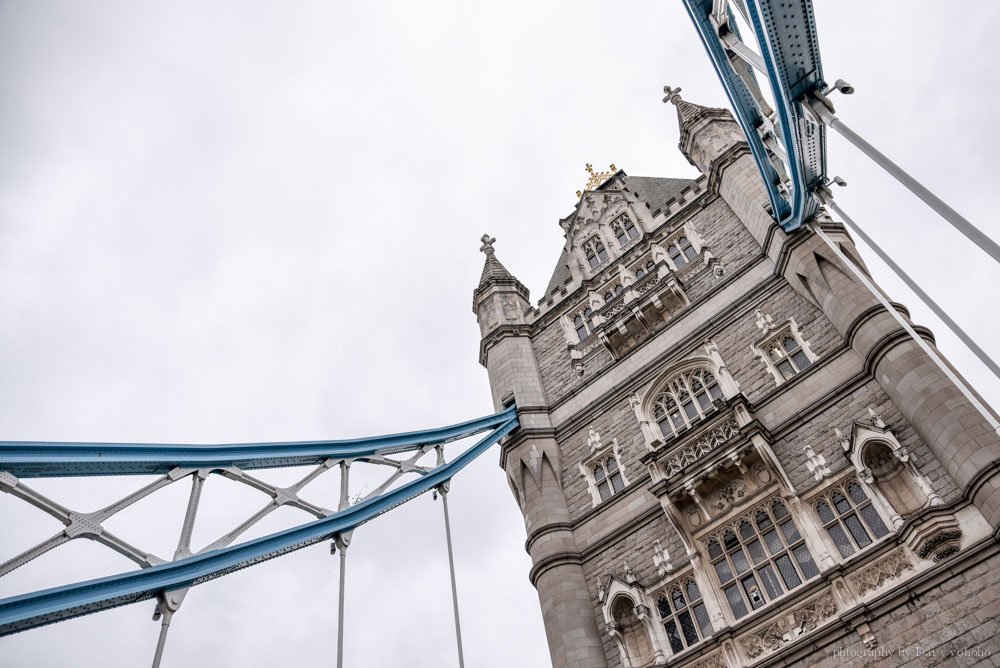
x=931, y=304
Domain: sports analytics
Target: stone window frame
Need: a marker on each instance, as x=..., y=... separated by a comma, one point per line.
x=669, y=613
x=582, y=318
x=868, y=514
x=691, y=395
x=766, y=570
x=593, y=248
x=643, y=268
x=706, y=357
x=620, y=226
x=693, y=241
x=613, y=290
x=775, y=340
x=599, y=455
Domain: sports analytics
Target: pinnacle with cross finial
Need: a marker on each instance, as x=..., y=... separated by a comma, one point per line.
x=487, y=246
x=672, y=94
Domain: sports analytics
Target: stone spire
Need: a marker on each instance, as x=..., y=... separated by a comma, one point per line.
x=493, y=268
x=500, y=297
x=705, y=132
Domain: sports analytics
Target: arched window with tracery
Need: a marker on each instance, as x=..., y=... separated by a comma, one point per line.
x=583, y=323
x=624, y=229
x=613, y=292
x=759, y=558
x=608, y=478
x=687, y=398
x=788, y=356
x=681, y=251
x=645, y=269
x=595, y=252
x=683, y=615
x=850, y=519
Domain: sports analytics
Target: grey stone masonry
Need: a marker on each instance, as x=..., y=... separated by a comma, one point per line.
x=730, y=454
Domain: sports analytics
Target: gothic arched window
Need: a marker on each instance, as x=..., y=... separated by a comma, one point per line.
x=613, y=292
x=681, y=251
x=595, y=252
x=642, y=271
x=683, y=615
x=583, y=323
x=608, y=478
x=687, y=398
x=624, y=229
x=850, y=519
x=787, y=356
x=759, y=558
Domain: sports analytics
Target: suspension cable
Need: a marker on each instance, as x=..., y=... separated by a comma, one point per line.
x=443, y=490
x=926, y=347
x=931, y=304
x=823, y=110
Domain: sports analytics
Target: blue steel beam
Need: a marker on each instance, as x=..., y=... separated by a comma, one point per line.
x=37, y=459
x=27, y=611
x=786, y=34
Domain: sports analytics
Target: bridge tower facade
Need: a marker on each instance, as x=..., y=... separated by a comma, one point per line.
x=730, y=454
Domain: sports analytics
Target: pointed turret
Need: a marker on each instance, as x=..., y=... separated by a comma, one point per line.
x=500, y=297
x=705, y=132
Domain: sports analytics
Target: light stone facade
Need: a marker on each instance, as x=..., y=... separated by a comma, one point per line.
x=707, y=386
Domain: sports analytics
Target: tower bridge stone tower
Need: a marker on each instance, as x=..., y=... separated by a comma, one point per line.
x=730, y=454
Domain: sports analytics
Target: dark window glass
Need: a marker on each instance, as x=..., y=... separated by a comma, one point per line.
x=857, y=531
x=843, y=544
x=756, y=551
x=746, y=531
x=703, y=622
x=770, y=582
x=840, y=503
x=678, y=598
x=730, y=540
x=663, y=607
x=774, y=544
x=713, y=549
x=873, y=521
x=791, y=533
x=802, y=556
x=687, y=626
x=740, y=561
x=800, y=359
x=735, y=601
x=788, y=573
x=824, y=512
x=722, y=570
x=675, y=638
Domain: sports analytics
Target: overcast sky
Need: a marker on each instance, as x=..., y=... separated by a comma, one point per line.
x=259, y=221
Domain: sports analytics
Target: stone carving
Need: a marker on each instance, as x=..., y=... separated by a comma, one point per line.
x=711, y=661
x=948, y=540
x=692, y=452
x=764, y=321
x=629, y=574
x=875, y=418
x=787, y=628
x=761, y=472
x=816, y=464
x=888, y=568
x=661, y=559
x=594, y=439
x=727, y=496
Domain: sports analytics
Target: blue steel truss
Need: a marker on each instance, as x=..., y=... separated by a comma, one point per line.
x=32, y=459
x=789, y=53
